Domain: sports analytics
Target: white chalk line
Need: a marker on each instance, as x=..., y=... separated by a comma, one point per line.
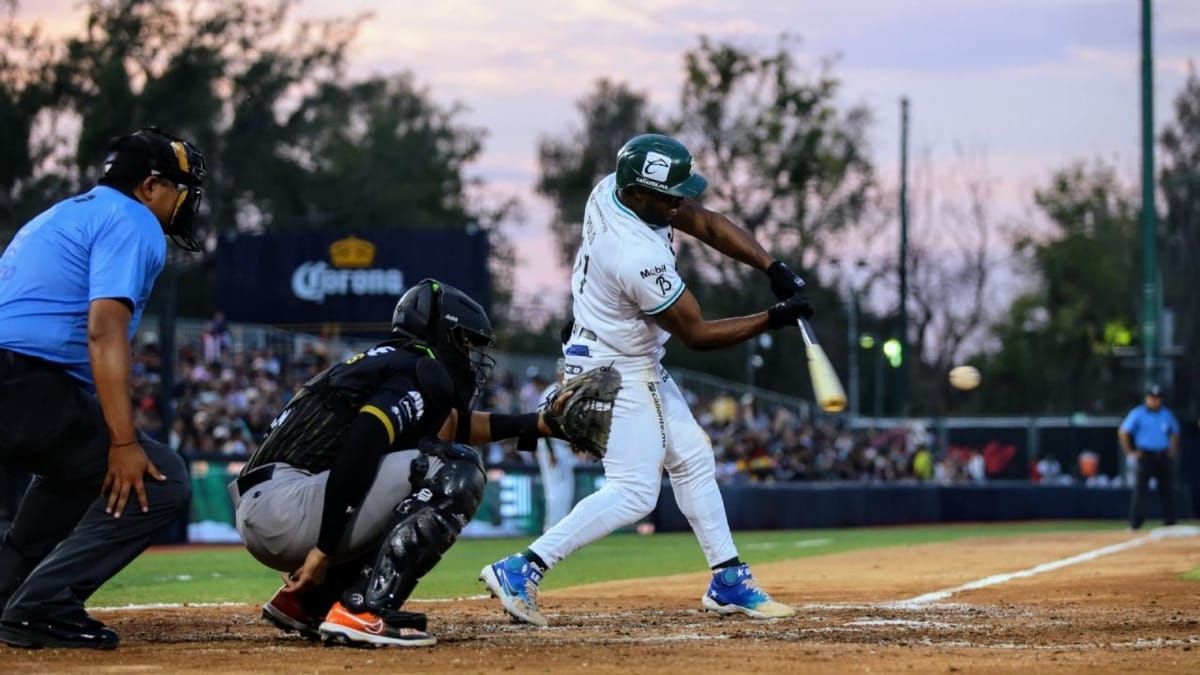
x=803, y=543
x=1173, y=531
x=1161, y=533
x=180, y=605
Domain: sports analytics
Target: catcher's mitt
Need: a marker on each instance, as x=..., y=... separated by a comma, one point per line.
x=580, y=411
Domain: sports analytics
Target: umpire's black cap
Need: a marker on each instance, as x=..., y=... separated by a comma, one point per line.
x=1154, y=390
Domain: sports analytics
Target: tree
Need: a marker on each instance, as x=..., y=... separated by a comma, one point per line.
x=26, y=92
x=1059, y=341
x=952, y=253
x=291, y=142
x=781, y=159
x=1180, y=228
x=571, y=166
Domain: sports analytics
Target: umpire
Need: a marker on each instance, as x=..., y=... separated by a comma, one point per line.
x=73, y=284
x=1150, y=434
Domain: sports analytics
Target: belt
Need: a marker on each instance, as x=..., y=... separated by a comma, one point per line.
x=254, y=477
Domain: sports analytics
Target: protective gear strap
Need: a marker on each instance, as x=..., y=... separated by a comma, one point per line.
x=425, y=525
x=350, y=478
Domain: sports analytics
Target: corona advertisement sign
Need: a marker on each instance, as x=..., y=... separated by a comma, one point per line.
x=343, y=277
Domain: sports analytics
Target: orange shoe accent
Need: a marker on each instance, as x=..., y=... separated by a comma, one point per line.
x=368, y=629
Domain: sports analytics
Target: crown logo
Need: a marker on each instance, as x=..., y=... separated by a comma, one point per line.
x=352, y=252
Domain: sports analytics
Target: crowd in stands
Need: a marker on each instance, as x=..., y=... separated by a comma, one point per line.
x=225, y=399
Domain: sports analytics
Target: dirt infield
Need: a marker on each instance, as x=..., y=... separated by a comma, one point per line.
x=1118, y=611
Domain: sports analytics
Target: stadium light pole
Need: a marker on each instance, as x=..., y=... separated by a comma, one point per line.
x=1151, y=295
x=902, y=372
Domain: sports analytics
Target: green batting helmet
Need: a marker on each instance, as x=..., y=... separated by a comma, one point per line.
x=658, y=163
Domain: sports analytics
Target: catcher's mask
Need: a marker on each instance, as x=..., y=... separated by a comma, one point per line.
x=153, y=152
x=455, y=327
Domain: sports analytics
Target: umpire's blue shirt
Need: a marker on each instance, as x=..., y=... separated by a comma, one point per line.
x=1151, y=429
x=101, y=244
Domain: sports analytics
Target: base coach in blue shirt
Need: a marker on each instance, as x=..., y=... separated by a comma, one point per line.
x=1150, y=433
x=73, y=284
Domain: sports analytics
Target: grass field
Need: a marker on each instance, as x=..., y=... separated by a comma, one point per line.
x=207, y=575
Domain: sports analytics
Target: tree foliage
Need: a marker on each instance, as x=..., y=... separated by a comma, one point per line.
x=26, y=89
x=781, y=159
x=1059, y=342
x=290, y=140
x=571, y=166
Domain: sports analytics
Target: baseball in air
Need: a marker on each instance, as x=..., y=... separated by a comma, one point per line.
x=965, y=377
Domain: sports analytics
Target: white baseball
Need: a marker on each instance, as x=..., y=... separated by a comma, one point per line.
x=965, y=377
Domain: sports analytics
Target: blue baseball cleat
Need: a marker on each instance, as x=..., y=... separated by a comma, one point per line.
x=733, y=590
x=514, y=581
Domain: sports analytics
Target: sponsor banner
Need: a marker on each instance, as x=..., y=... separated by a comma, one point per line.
x=335, y=277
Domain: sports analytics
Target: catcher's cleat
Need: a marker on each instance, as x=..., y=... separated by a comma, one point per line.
x=367, y=629
x=514, y=581
x=83, y=633
x=734, y=590
x=285, y=612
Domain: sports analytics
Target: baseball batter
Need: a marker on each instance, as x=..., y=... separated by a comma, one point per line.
x=628, y=300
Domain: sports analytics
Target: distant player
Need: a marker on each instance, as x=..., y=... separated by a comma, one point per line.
x=628, y=300
x=1150, y=434
x=556, y=464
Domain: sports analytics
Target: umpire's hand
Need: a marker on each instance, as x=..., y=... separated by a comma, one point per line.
x=126, y=466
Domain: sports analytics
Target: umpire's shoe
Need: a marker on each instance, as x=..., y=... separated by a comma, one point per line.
x=367, y=629
x=286, y=612
x=84, y=633
x=514, y=581
x=734, y=590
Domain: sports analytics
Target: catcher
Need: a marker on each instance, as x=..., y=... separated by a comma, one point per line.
x=367, y=477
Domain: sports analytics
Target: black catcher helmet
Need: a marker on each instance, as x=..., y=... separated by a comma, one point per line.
x=457, y=329
x=153, y=152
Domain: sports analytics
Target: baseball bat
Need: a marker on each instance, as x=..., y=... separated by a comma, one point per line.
x=826, y=385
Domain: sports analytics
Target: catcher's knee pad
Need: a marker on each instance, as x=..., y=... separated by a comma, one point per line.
x=426, y=525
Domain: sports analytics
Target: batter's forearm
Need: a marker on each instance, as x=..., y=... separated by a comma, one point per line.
x=724, y=235
x=738, y=244
x=725, y=332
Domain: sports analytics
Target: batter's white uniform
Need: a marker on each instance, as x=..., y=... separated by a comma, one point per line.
x=625, y=274
x=556, y=463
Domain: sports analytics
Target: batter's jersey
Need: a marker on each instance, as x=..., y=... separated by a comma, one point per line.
x=624, y=274
x=101, y=244
x=381, y=381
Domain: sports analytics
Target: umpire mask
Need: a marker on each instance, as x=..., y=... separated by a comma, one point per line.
x=153, y=152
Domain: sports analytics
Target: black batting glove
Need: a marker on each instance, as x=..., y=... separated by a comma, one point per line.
x=788, y=312
x=784, y=282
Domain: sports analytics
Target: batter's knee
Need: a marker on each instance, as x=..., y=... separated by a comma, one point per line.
x=640, y=497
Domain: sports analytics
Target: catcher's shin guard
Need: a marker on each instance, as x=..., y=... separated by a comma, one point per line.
x=426, y=525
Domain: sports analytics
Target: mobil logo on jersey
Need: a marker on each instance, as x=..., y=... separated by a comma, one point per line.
x=348, y=271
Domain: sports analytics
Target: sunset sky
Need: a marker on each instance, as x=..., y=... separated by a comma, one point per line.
x=1032, y=84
